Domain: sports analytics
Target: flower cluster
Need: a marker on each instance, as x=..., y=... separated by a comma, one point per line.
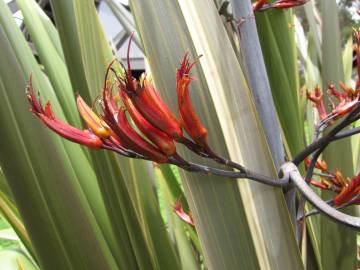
x=111, y=130
x=345, y=100
x=346, y=189
x=342, y=103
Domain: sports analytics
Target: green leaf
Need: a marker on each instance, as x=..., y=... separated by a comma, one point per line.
x=347, y=59
x=9, y=211
x=54, y=66
x=141, y=175
x=176, y=226
x=50, y=198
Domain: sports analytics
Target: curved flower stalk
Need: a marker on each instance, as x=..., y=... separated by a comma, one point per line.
x=158, y=131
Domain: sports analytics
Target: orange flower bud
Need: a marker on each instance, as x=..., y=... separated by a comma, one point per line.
x=340, y=180
x=92, y=120
x=189, y=119
x=320, y=164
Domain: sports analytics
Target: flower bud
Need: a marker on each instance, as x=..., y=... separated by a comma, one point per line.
x=179, y=211
x=92, y=120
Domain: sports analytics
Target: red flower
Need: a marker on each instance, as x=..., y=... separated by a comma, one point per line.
x=47, y=116
x=189, y=119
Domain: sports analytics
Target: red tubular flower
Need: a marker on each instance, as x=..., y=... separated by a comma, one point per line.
x=136, y=142
x=179, y=211
x=159, y=138
x=47, y=116
x=316, y=97
x=283, y=4
x=348, y=192
x=149, y=103
x=189, y=119
x=129, y=137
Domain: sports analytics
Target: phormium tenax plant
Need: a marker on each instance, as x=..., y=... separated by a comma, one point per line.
x=158, y=131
